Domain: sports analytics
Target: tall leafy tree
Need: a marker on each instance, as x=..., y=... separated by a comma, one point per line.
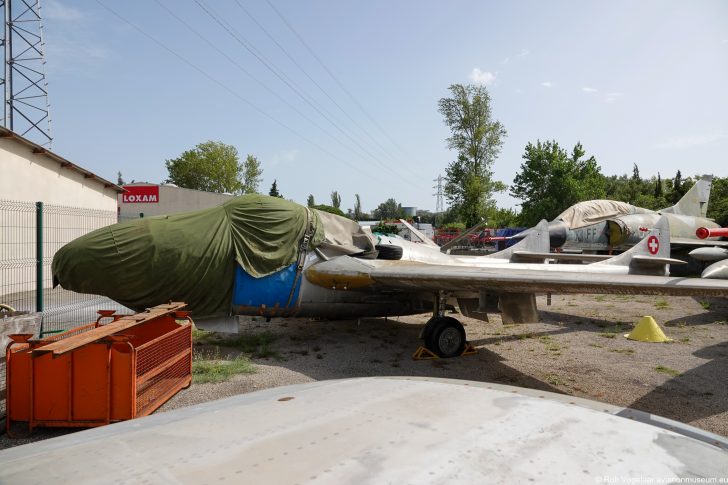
x=718, y=203
x=273, y=192
x=212, y=166
x=477, y=138
x=252, y=175
x=119, y=179
x=550, y=180
x=310, y=201
x=335, y=199
x=357, y=208
x=388, y=209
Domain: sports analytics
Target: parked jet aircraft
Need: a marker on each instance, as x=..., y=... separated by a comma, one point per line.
x=597, y=225
x=258, y=255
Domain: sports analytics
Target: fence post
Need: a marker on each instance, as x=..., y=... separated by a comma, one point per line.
x=39, y=256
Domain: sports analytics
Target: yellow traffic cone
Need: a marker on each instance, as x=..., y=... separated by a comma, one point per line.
x=647, y=330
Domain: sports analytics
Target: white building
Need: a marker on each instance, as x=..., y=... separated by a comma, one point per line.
x=143, y=199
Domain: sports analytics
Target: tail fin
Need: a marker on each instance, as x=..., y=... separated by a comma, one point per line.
x=695, y=201
x=537, y=240
x=651, y=256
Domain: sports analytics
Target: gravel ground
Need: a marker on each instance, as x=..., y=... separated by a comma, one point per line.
x=578, y=348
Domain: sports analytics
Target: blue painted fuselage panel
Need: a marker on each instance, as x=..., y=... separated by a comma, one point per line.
x=272, y=291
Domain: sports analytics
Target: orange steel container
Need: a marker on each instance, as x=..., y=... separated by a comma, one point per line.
x=96, y=374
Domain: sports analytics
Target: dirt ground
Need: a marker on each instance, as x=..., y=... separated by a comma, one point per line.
x=578, y=348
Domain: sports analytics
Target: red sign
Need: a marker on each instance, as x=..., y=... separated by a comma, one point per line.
x=653, y=245
x=144, y=194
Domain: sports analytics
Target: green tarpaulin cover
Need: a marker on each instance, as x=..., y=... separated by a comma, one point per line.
x=189, y=256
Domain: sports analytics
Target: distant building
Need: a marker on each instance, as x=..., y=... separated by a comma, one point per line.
x=142, y=199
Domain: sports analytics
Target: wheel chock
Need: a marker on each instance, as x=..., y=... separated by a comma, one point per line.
x=423, y=353
x=469, y=350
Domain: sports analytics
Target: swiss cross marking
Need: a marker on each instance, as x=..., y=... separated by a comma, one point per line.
x=653, y=245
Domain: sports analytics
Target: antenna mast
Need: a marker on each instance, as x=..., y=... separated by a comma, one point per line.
x=439, y=206
x=26, y=109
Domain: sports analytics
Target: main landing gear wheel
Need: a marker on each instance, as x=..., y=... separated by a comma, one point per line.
x=444, y=336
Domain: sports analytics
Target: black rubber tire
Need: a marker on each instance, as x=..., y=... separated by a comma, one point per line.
x=446, y=337
x=389, y=252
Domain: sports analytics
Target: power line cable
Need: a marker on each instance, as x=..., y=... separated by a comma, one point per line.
x=331, y=74
x=229, y=90
x=277, y=72
x=249, y=74
x=310, y=78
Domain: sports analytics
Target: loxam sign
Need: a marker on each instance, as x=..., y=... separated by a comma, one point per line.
x=144, y=194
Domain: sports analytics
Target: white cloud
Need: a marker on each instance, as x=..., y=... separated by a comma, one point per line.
x=687, y=141
x=506, y=60
x=524, y=53
x=482, y=77
x=55, y=10
x=589, y=90
x=546, y=84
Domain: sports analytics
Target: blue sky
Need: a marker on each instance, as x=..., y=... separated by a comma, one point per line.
x=635, y=82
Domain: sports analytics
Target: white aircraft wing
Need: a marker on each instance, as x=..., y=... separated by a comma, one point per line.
x=347, y=273
x=684, y=241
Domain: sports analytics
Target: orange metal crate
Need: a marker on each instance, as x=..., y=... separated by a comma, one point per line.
x=97, y=374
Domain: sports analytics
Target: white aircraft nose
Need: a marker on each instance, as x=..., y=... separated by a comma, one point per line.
x=716, y=271
x=709, y=254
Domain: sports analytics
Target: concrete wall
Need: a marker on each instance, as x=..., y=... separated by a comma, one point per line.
x=171, y=199
x=31, y=177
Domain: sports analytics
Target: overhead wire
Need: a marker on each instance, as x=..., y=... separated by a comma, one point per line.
x=336, y=80
x=313, y=81
x=230, y=91
x=278, y=73
x=249, y=74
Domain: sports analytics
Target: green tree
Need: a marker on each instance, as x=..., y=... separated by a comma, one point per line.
x=311, y=201
x=550, y=181
x=273, y=192
x=211, y=166
x=388, y=209
x=357, y=208
x=718, y=203
x=335, y=199
x=477, y=138
x=119, y=179
x=658, y=186
x=678, y=189
x=252, y=175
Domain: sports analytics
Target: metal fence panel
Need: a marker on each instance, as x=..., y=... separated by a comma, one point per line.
x=20, y=286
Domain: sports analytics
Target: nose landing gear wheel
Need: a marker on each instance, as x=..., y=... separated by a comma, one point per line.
x=445, y=336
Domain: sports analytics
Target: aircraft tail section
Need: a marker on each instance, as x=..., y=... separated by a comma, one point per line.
x=537, y=240
x=651, y=256
x=695, y=201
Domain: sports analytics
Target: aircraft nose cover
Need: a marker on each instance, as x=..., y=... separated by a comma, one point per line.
x=187, y=257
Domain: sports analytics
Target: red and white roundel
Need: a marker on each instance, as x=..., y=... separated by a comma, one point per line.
x=653, y=245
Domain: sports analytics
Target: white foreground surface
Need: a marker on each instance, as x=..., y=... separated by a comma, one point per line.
x=378, y=430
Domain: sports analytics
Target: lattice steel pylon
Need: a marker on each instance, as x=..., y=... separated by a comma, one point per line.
x=439, y=206
x=26, y=109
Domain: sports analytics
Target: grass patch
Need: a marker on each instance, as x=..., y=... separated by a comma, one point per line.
x=596, y=346
x=607, y=334
x=623, y=351
x=662, y=304
x=254, y=344
x=667, y=370
x=211, y=367
x=600, y=298
x=524, y=336
x=705, y=304
x=685, y=340
x=555, y=380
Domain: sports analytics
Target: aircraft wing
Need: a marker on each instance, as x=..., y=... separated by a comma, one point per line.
x=684, y=241
x=347, y=273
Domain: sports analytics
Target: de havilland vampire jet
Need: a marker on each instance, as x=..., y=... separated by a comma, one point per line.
x=605, y=225
x=259, y=255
